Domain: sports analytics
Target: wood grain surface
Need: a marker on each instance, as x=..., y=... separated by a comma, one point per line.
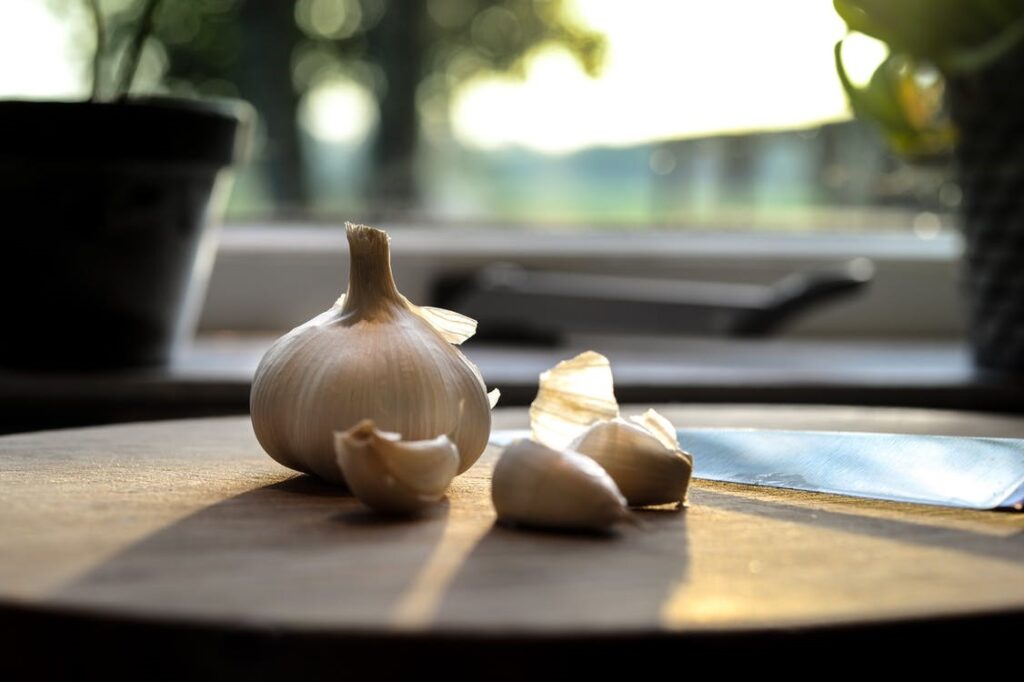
x=190, y=521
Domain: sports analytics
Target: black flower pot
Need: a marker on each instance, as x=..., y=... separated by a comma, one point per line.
x=987, y=107
x=104, y=242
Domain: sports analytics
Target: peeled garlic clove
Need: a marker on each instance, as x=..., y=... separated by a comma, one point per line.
x=391, y=475
x=535, y=485
x=572, y=395
x=644, y=468
x=374, y=355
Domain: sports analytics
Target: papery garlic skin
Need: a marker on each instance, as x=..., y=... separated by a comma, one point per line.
x=572, y=395
x=645, y=470
x=535, y=485
x=576, y=408
x=373, y=355
x=392, y=475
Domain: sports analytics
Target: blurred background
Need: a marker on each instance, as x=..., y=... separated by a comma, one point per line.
x=595, y=113
x=658, y=181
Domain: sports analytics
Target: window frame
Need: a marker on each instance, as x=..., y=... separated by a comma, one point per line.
x=272, y=276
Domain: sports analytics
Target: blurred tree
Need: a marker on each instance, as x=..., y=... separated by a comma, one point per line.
x=271, y=52
x=425, y=50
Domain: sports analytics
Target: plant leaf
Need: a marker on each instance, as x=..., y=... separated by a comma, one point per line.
x=908, y=114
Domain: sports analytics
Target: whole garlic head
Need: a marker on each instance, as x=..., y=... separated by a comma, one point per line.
x=373, y=355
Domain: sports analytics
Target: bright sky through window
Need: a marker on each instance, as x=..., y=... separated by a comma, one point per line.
x=674, y=68
x=37, y=58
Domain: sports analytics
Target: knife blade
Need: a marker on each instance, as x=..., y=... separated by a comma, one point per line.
x=953, y=471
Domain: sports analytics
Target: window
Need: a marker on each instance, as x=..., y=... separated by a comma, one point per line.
x=723, y=114
x=712, y=121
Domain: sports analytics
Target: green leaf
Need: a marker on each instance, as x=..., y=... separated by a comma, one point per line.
x=972, y=59
x=907, y=114
x=952, y=34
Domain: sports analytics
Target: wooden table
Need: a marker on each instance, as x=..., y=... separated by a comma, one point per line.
x=181, y=546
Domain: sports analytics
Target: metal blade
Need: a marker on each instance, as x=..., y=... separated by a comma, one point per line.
x=972, y=473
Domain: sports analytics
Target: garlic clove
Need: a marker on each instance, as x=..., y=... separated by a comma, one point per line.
x=391, y=475
x=372, y=355
x=572, y=395
x=576, y=408
x=646, y=470
x=535, y=485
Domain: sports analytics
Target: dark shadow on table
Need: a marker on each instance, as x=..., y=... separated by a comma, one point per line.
x=283, y=550
x=518, y=577
x=1005, y=546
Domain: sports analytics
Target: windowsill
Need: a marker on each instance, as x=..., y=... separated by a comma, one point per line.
x=274, y=277
x=898, y=345
x=214, y=376
x=626, y=242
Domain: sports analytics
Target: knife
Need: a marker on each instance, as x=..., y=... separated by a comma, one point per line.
x=953, y=471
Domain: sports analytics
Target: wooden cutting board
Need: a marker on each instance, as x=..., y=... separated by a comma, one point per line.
x=189, y=522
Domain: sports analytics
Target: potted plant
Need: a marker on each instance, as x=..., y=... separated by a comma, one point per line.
x=953, y=80
x=106, y=205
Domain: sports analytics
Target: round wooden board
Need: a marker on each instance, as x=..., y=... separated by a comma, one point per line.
x=188, y=521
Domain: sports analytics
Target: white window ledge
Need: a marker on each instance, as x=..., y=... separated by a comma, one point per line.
x=272, y=277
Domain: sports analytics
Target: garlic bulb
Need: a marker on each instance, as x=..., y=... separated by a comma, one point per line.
x=535, y=485
x=576, y=408
x=646, y=470
x=392, y=475
x=373, y=355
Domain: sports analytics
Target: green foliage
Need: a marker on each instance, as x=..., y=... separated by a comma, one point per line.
x=411, y=54
x=952, y=36
x=906, y=107
x=195, y=41
x=469, y=37
x=127, y=45
x=462, y=38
